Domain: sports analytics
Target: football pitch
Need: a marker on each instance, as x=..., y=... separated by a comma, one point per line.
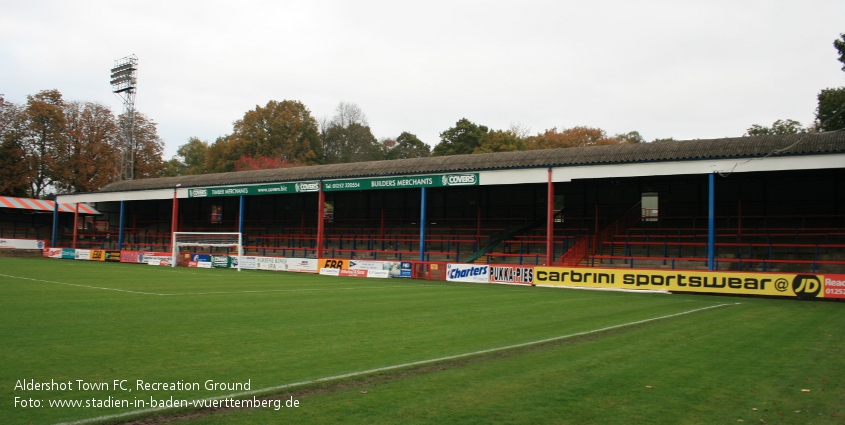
x=88, y=343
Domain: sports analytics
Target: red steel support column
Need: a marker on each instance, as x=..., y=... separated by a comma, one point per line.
x=321, y=213
x=550, y=220
x=173, y=221
x=75, y=224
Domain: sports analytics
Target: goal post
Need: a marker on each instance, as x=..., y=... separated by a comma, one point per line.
x=206, y=239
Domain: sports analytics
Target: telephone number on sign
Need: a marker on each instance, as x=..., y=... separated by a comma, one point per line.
x=834, y=291
x=342, y=185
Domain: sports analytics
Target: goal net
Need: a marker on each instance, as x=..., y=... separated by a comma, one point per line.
x=182, y=240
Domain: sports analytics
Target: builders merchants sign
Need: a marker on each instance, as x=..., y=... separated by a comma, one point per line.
x=773, y=284
x=405, y=182
x=262, y=189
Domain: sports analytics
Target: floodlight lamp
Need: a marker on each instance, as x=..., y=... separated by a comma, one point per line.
x=123, y=78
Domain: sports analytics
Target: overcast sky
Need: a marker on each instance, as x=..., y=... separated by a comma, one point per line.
x=682, y=69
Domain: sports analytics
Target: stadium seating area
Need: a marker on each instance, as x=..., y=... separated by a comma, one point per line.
x=789, y=244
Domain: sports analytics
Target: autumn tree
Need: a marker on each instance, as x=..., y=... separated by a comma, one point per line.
x=90, y=156
x=407, y=145
x=246, y=163
x=45, y=138
x=463, y=138
x=500, y=141
x=347, y=137
x=570, y=138
x=14, y=170
x=149, y=147
x=280, y=129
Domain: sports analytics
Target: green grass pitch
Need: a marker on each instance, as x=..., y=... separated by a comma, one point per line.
x=351, y=350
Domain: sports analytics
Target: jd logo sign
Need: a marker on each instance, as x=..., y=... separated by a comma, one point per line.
x=806, y=286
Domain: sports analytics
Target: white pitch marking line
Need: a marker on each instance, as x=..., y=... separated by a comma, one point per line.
x=210, y=293
x=394, y=367
x=292, y=290
x=81, y=286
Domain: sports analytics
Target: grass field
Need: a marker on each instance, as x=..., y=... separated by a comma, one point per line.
x=394, y=350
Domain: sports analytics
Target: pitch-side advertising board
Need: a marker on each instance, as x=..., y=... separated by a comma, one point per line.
x=742, y=283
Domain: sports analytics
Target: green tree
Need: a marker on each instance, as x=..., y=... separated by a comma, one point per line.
x=778, y=127
x=221, y=155
x=630, y=137
x=44, y=114
x=463, y=138
x=348, y=138
x=173, y=167
x=279, y=129
x=830, y=114
x=91, y=153
x=407, y=145
x=500, y=141
x=190, y=159
x=194, y=153
x=839, y=44
x=354, y=143
x=15, y=173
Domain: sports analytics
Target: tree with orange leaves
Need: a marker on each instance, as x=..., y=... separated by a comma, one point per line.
x=14, y=171
x=570, y=138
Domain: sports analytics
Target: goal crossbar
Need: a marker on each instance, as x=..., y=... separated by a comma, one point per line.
x=208, y=239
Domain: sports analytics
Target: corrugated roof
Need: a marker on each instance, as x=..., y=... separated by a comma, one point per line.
x=736, y=147
x=42, y=205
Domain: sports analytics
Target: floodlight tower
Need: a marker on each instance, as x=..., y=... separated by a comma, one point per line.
x=124, y=77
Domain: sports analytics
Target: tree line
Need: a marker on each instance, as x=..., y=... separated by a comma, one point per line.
x=49, y=145
x=284, y=134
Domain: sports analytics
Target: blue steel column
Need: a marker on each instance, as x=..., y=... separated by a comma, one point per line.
x=422, y=225
x=55, y=222
x=711, y=223
x=120, y=232
x=241, y=218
